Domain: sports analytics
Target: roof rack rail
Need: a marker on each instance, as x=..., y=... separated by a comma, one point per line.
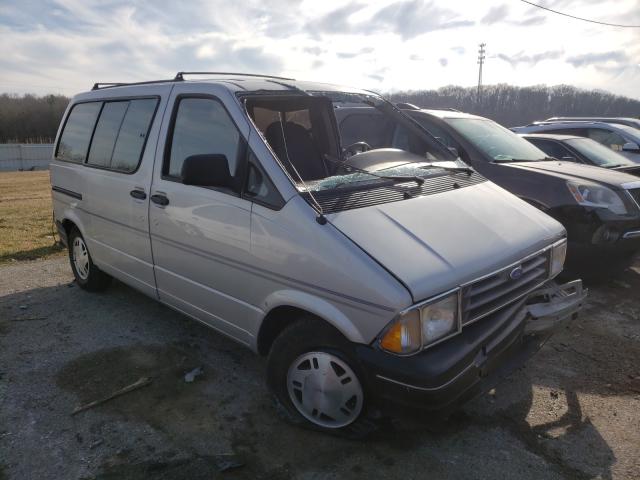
x=180, y=75
x=98, y=86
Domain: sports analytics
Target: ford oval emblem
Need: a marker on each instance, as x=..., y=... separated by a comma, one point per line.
x=516, y=273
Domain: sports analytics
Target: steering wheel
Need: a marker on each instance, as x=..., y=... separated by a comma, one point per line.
x=355, y=148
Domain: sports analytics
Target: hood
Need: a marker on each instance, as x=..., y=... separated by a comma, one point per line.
x=437, y=242
x=572, y=170
x=629, y=170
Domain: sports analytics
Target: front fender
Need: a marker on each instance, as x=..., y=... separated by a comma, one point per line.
x=317, y=306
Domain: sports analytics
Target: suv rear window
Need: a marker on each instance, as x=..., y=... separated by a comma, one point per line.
x=76, y=135
x=121, y=133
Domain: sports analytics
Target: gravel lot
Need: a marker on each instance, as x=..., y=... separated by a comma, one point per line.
x=573, y=412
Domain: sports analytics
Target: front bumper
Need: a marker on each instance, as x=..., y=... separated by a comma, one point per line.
x=448, y=375
x=599, y=232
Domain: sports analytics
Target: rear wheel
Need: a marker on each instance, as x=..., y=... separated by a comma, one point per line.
x=88, y=276
x=316, y=382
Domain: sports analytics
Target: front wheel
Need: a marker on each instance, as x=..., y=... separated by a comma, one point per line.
x=315, y=381
x=88, y=276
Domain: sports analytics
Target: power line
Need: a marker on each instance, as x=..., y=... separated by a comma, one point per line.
x=579, y=18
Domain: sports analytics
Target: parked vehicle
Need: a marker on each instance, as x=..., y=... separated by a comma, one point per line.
x=631, y=122
x=619, y=138
x=228, y=200
x=581, y=150
x=599, y=208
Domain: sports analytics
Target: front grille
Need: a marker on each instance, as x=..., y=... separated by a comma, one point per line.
x=341, y=199
x=635, y=193
x=485, y=296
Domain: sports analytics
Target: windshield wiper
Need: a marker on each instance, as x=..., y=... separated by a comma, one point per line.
x=508, y=160
x=467, y=170
x=397, y=178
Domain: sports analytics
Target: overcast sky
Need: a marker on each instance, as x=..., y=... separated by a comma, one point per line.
x=63, y=46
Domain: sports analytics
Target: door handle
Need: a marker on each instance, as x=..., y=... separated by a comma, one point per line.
x=138, y=194
x=160, y=200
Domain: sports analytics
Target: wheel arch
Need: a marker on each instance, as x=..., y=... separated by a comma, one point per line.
x=285, y=307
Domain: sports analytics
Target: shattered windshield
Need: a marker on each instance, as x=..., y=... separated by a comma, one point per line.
x=495, y=141
x=331, y=139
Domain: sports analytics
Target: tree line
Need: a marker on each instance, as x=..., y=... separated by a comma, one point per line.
x=513, y=106
x=30, y=118
x=35, y=119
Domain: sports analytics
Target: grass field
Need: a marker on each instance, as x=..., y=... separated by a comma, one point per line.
x=26, y=228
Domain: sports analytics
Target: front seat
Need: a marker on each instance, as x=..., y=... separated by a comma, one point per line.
x=303, y=153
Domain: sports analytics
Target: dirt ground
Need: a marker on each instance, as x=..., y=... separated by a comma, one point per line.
x=572, y=413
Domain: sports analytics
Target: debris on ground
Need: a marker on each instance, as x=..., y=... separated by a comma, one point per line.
x=141, y=382
x=96, y=444
x=193, y=374
x=227, y=461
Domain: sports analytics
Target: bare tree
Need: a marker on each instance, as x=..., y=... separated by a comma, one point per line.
x=511, y=105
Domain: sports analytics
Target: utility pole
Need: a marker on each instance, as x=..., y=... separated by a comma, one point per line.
x=481, y=58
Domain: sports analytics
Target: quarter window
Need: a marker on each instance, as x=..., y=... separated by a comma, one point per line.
x=202, y=126
x=76, y=136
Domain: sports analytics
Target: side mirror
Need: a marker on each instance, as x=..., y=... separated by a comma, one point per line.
x=630, y=147
x=211, y=170
x=454, y=150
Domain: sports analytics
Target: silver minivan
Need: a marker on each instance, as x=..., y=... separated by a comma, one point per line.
x=391, y=278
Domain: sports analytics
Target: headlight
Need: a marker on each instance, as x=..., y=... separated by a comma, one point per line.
x=558, y=255
x=597, y=196
x=423, y=325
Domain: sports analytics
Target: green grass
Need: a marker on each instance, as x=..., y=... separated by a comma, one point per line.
x=26, y=226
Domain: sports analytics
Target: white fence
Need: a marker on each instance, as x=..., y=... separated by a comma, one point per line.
x=18, y=156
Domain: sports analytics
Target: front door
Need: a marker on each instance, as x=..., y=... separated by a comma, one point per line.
x=200, y=236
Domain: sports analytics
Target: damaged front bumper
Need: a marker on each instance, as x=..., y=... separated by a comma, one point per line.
x=448, y=375
x=554, y=305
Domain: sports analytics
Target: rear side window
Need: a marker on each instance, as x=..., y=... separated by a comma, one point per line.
x=76, y=136
x=121, y=133
x=202, y=126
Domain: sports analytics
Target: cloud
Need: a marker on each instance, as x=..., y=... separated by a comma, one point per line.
x=598, y=59
x=406, y=18
x=530, y=60
x=336, y=21
x=410, y=18
x=362, y=51
x=532, y=21
x=313, y=50
x=495, y=14
x=444, y=62
x=459, y=50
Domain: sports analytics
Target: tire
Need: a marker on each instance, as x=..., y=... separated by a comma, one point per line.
x=88, y=276
x=337, y=387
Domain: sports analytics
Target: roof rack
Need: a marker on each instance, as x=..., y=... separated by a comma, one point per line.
x=97, y=86
x=180, y=75
x=100, y=86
